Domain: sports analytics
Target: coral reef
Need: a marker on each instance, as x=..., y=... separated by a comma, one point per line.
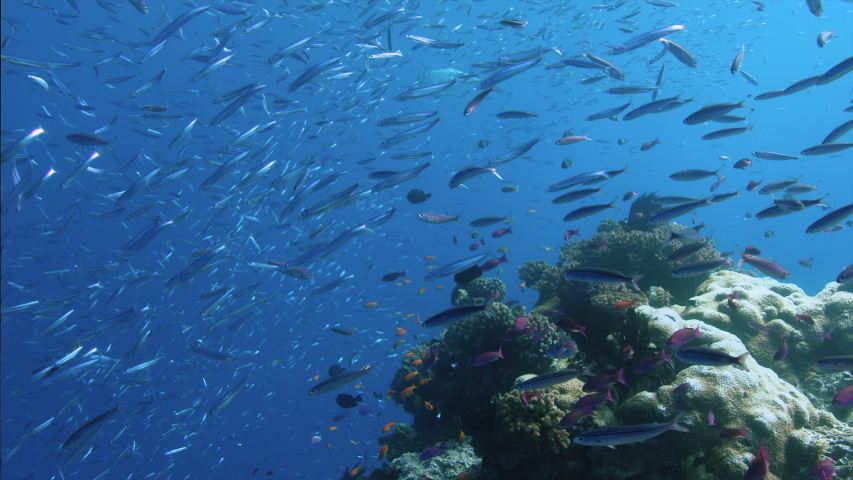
x=478, y=292
x=774, y=306
x=772, y=409
x=526, y=441
x=459, y=458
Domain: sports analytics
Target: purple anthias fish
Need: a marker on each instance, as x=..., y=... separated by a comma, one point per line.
x=759, y=468
x=783, y=349
x=682, y=336
x=844, y=398
x=600, y=382
x=493, y=263
x=594, y=400
x=824, y=470
x=488, y=357
x=430, y=360
x=433, y=452
x=572, y=418
x=650, y=362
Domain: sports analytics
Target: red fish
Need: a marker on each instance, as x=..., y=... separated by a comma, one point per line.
x=759, y=468
x=571, y=233
x=682, y=336
x=805, y=318
x=734, y=433
x=624, y=304
x=824, y=470
x=488, y=357
x=742, y=163
x=476, y=245
x=753, y=185
x=501, y=232
x=649, y=145
x=844, y=398
x=493, y=263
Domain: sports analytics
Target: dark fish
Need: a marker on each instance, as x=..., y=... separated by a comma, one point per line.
x=467, y=276
x=336, y=370
x=390, y=277
x=433, y=452
x=345, y=400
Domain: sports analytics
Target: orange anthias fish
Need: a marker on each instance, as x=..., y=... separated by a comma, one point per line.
x=383, y=451
x=624, y=304
x=355, y=471
x=401, y=332
x=390, y=393
x=439, y=287
x=461, y=438
x=429, y=257
x=388, y=427
x=411, y=375
x=408, y=391
x=425, y=381
x=369, y=304
x=409, y=354
x=417, y=362
x=465, y=476
x=428, y=405
x=422, y=290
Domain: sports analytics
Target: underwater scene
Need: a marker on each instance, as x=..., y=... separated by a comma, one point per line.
x=427, y=240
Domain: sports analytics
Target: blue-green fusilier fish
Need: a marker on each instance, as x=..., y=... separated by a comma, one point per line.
x=455, y=314
x=602, y=275
x=455, y=267
x=625, y=434
x=710, y=357
x=338, y=381
x=550, y=379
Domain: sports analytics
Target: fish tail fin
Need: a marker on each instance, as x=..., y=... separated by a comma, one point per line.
x=495, y=172
x=613, y=204
x=620, y=377
x=740, y=361
x=634, y=280
x=743, y=431
x=673, y=425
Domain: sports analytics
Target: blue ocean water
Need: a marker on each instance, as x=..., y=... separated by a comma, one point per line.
x=53, y=242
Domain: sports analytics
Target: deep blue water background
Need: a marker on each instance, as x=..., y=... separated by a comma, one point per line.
x=270, y=424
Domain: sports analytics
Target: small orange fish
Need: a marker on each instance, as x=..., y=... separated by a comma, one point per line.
x=422, y=290
x=388, y=427
x=398, y=343
x=316, y=377
x=355, y=442
x=412, y=375
x=358, y=386
x=369, y=304
x=429, y=257
x=410, y=315
x=329, y=445
x=417, y=362
x=503, y=249
x=461, y=438
x=431, y=267
x=408, y=391
x=407, y=281
x=383, y=450
x=409, y=354
x=428, y=406
x=400, y=333
x=390, y=393
x=624, y=304
x=355, y=471
x=423, y=353
x=439, y=287
x=425, y=381
x=531, y=212
x=332, y=429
